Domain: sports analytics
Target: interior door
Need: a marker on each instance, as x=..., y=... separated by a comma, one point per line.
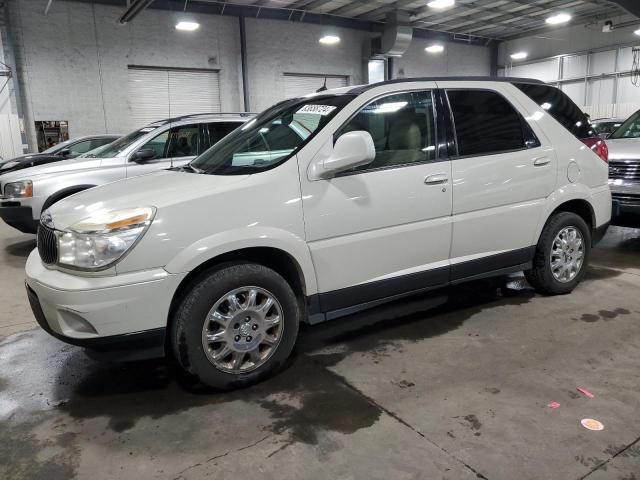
x=383, y=229
x=501, y=177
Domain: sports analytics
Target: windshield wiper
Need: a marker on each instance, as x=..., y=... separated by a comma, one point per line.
x=187, y=166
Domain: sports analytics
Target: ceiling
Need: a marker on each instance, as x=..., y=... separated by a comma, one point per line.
x=490, y=19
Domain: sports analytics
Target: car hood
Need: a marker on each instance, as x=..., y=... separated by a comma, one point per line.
x=27, y=161
x=624, y=148
x=50, y=168
x=160, y=189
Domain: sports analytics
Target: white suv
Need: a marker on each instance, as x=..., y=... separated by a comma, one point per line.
x=319, y=207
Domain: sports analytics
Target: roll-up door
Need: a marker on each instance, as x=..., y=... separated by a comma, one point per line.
x=156, y=93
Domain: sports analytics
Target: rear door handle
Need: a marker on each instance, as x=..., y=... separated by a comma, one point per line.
x=541, y=162
x=437, y=179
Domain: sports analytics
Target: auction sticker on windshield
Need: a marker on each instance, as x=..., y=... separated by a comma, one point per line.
x=317, y=109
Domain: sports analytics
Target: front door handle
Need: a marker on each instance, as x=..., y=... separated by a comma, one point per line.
x=541, y=162
x=437, y=179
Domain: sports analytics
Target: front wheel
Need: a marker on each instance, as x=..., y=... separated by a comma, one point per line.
x=562, y=254
x=236, y=326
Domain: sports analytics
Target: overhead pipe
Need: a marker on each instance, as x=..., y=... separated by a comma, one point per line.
x=631, y=6
x=134, y=9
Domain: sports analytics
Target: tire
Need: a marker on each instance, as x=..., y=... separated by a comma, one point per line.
x=195, y=326
x=542, y=276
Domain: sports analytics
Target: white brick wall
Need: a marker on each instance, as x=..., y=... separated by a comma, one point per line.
x=276, y=47
x=64, y=72
x=457, y=59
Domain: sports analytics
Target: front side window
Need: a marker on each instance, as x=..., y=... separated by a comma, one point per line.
x=485, y=123
x=158, y=144
x=629, y=129
x=271, y=138
x=402, y=127
x=183, y=141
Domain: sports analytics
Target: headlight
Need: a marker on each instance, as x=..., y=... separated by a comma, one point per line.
x=23, y=189
x=99, y=241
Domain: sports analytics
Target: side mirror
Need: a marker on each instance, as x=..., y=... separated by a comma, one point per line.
x=143, y=155
x=351, y=150
x=64, y=153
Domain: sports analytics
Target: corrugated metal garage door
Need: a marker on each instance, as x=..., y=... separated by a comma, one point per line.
x=156, y=94
x=297, y=85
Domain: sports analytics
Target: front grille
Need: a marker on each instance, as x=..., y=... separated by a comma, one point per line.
x=625, y=170
x=47, y=245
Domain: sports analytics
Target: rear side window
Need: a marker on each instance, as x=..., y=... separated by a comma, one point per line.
x=219, y=130
x=560, y=107
x=486, y=123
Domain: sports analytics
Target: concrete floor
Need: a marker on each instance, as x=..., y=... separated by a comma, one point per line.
x=451, y=386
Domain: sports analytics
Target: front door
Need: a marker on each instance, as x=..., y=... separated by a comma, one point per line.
x=384, y=228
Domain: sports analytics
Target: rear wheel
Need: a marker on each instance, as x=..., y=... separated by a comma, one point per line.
x=562, y=254
x=236, y=326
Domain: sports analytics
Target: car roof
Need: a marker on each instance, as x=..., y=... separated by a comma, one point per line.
x=204, y=117
x=357, y=90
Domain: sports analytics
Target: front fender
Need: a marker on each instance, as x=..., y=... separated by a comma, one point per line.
x=229, y=241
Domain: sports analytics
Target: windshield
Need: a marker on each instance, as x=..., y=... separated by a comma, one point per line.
x=629, y=129
x=58, y=147
x=606, y=126
x=111, y=150
x=272, y=137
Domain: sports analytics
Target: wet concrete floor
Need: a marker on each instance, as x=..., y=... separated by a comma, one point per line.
x=452, y=385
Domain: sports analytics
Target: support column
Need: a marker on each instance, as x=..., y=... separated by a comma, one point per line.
x=243, y=57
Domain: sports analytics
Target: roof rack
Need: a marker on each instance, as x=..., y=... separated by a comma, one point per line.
x=363, y=88
x=212, y=114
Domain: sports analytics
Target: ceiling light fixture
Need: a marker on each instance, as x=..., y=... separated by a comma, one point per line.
x=187, y=26
x=441, y=3
x=558, y=19
x=329, y=40
x=637, y=32
x=435, y=49
x=519, y=55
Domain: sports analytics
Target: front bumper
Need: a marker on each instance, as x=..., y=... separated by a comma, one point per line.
x=18, y=216
x=626, y=210
x=120, y=312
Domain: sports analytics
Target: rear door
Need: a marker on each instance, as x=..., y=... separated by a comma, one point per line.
x=502, y=172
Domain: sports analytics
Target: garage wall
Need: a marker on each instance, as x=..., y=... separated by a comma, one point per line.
x=74, y=61
x=457, y=59
x=77, y=59
x=275, y=47
x=592, y=67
